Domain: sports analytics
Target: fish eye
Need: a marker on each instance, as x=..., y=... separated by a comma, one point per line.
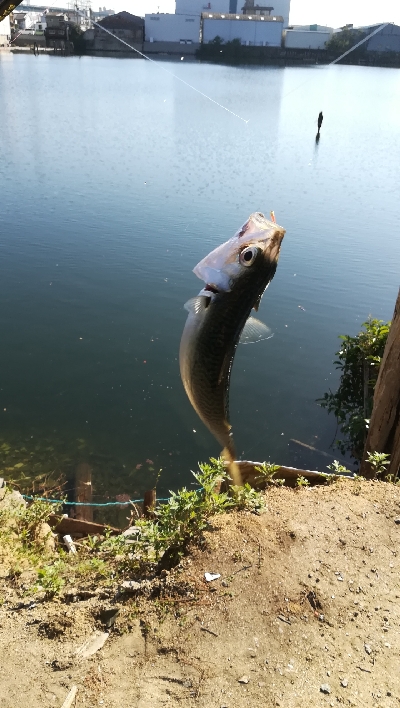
x=248, y=255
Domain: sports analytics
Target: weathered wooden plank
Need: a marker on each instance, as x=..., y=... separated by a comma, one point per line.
x=384, y=427
x=79, y=527
x=290, y=474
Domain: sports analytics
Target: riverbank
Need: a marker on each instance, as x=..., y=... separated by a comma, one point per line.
x=305, y=611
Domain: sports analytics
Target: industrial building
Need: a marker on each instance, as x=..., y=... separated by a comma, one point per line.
x=387, y=40
x=307, y=36
x=184, y=29
x=279, y=8
x=251, y=30
x=128, y=27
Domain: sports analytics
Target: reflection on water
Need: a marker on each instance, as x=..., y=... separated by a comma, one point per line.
x=115, y=180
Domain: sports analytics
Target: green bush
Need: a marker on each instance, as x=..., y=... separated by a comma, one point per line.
x=358, y=360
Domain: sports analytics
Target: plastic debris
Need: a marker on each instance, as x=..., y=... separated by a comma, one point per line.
x=93, y=644
x=70, y=698
x=211, y=576
x=69, y=543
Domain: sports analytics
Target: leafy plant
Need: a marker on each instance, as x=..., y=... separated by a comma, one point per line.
x=302, y=482
x=358, y=360
x=50, y=578
x=247, y=498
x=267, y=472
x=378, y=461
x=337, y=468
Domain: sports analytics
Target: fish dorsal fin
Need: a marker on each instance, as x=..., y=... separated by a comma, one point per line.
x=254, y=331
x=197, y=304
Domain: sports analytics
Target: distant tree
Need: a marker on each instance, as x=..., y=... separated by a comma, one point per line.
x=217, y=41
x=340, y=42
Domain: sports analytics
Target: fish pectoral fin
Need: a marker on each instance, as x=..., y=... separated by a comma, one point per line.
x=254, y=331
x=197, y=304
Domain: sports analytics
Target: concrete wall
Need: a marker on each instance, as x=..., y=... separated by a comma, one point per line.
x=387, y=40
x=170, y=48
x=250, y=32
x=5, y=31
x=172, y=28
x=196, y=7
x=306, y=39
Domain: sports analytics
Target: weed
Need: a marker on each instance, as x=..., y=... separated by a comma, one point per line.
x=378, y=461
x=302, y=482
x=358, y=360
x=267, y=472
x=50, y=578
x=248, y=499
x=337, y=468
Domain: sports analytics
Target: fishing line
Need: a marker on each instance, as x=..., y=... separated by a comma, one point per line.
x=167, y=70
x=335, y=61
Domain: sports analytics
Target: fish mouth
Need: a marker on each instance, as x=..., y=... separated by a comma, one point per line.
x=211, y=289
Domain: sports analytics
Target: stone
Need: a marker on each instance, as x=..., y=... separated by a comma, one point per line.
x=45, y=537
x=325, y=688
x=130, y=586
x=244, y=679
x=344, y=683
x=368, y=648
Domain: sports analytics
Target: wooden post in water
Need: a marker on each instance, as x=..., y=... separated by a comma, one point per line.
x=384, y=426
x=83, y=491
x=149, y=503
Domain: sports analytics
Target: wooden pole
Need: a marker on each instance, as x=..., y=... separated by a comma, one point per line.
x=83, y=491
x=384, y=426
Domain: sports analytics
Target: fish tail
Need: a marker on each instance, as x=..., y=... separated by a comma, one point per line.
x=233, y=467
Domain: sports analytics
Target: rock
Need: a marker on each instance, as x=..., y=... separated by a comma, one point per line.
x=130, y=586
x=108, y=616
x=368, y=648
x=244, y=679
x=11, y=500
x=132, y=531
x=45, y=537
x=325, y=688
x=344, y=683
x=397, y=521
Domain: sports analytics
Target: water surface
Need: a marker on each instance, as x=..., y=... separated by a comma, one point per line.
x=116, y=179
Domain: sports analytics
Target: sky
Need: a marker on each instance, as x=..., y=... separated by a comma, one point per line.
x=333, y=13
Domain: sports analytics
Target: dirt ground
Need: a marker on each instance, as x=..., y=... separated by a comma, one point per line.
x=305, y=614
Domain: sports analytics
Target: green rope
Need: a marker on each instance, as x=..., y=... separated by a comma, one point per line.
x=68, y=503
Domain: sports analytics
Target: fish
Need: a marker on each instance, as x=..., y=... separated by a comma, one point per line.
x=235, y=274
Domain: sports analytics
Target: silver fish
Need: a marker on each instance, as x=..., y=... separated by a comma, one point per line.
x=236, y=275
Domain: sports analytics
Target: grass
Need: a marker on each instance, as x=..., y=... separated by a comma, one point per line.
x=159, y=544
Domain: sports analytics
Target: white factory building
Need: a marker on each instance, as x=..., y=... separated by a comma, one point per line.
x=257, y=30
x=245, y=20
x=234, y=7
x=307, y=36
x=184, y=29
